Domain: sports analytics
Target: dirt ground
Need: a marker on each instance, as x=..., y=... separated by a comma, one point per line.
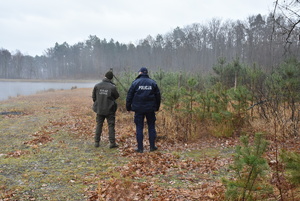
x=47, y=153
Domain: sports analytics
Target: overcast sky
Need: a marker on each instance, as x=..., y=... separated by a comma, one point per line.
x=32, y=26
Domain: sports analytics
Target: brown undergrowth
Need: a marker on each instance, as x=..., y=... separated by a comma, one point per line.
x=47, y=153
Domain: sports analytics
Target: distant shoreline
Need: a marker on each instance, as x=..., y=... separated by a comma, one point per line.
x=23, y=87
x=38, y=80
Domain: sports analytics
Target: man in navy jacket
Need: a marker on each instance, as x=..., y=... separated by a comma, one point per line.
x=144, y=99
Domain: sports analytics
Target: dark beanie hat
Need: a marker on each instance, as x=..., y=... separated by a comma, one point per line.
x=109, y=75
x=144, y=70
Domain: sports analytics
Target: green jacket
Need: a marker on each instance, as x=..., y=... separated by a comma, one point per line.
x=104, y=96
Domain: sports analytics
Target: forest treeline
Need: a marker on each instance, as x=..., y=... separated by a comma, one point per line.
x=194, y=48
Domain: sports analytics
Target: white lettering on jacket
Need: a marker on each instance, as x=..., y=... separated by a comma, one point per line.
x=145, y=88
x=103, y=91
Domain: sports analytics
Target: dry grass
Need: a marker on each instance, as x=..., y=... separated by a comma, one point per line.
x=47, y=153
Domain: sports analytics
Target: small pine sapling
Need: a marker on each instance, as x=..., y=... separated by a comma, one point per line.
x=249, y=169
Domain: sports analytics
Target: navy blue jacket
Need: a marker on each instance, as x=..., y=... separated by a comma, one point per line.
x=143, y=95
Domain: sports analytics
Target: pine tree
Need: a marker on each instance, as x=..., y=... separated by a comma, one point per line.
x=292, y=162
x=249, y=171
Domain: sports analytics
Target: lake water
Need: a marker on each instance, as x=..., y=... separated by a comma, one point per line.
x=12, y=89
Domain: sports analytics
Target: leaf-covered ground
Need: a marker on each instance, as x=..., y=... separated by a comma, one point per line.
x=47, y=153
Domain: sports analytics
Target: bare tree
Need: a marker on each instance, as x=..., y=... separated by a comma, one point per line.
x=290, y=10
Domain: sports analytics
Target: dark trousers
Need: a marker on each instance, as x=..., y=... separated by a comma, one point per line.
x=111, y=127
x=139, y=122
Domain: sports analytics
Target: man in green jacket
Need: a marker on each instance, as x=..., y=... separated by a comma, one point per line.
x=104, y=96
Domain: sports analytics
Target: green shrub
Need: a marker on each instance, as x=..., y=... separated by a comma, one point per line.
x=249, y=171
x=292, y=162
